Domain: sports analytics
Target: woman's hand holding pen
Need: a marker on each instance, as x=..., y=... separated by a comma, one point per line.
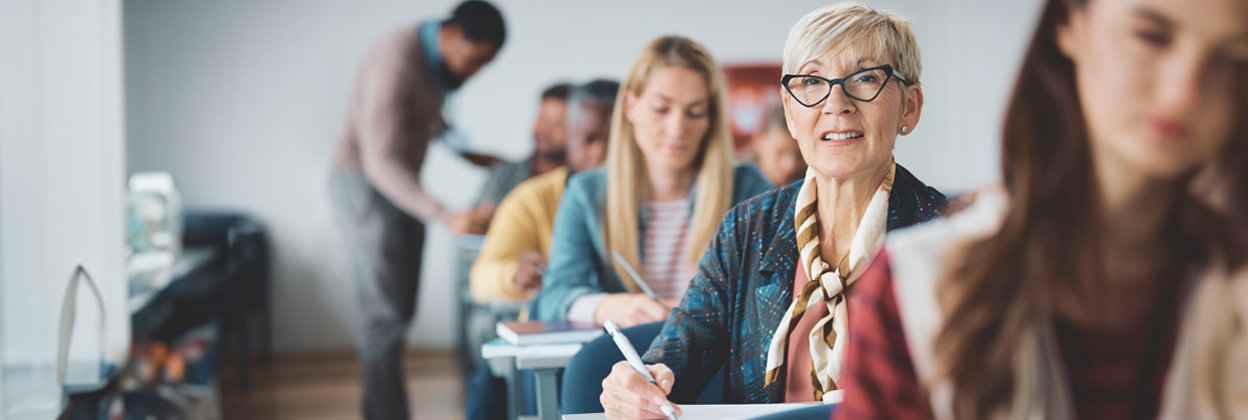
x=629, y=309
x=627, y=395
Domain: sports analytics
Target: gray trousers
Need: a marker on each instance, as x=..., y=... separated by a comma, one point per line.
x=383, y=246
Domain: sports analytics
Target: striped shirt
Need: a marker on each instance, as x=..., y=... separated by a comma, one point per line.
x=663, y=258
x=665, y=249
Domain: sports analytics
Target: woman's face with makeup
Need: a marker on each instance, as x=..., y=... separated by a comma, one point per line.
x=670, y=117
x=1159, y=81
x=842, y=136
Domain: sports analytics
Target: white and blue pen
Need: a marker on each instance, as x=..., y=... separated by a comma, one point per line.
x=634, y=360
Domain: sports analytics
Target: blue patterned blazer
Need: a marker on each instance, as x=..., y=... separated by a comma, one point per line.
x=743, y=287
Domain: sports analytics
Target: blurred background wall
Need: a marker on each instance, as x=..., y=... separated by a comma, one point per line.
x=243, y=100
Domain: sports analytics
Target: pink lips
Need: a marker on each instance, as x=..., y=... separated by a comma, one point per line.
x=1169, y=129
x=674, y=149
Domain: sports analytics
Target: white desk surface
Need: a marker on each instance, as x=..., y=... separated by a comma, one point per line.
x=497, y=348
x=716, y=411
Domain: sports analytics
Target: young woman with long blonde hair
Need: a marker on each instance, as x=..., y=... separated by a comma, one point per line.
x=668, y=181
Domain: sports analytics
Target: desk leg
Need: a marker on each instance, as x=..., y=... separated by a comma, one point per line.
x=514, y=393
x=547, y=394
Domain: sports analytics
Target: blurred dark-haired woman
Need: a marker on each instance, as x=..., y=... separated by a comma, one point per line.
x=1105, y=278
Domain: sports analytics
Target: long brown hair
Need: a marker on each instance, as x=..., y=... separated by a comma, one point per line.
x=626, y=177
x=993, y=300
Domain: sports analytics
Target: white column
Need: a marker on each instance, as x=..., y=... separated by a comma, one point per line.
x=62, y=163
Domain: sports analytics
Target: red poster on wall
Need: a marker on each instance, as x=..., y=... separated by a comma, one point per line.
x=752, y=88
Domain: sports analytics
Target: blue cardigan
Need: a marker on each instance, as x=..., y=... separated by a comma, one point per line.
x=579, y=264
x=743, y=287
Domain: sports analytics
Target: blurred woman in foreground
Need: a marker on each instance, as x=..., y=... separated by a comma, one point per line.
x=1099, y=281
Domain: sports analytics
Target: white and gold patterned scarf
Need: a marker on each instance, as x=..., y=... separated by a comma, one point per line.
x=827, y=285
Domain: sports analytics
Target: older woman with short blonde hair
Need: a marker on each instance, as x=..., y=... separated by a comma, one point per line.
x=768, y=303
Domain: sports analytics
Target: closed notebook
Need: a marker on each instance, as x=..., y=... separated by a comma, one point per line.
x=547, y=332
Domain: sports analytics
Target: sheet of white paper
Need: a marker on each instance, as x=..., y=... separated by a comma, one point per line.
x=716, y=411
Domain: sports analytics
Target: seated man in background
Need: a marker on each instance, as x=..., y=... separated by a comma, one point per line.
x=775, y=149
x=510, y=264
x=550, y=146
x=550, y=142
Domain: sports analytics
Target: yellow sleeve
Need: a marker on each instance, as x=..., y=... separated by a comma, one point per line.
x=513, y=232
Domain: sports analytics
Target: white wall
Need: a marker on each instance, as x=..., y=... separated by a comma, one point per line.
x=61, y=186
x=243, y=100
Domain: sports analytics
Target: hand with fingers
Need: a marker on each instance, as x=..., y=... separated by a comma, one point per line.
x=474, y=221
x=626, y=395
x=629, y=309
x=532, y=265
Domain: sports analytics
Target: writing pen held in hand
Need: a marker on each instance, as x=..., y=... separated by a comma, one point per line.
x=630, y=354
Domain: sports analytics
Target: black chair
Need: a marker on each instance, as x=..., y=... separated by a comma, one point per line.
x=245, y=281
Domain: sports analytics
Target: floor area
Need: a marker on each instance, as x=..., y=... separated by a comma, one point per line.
x=327, y=387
